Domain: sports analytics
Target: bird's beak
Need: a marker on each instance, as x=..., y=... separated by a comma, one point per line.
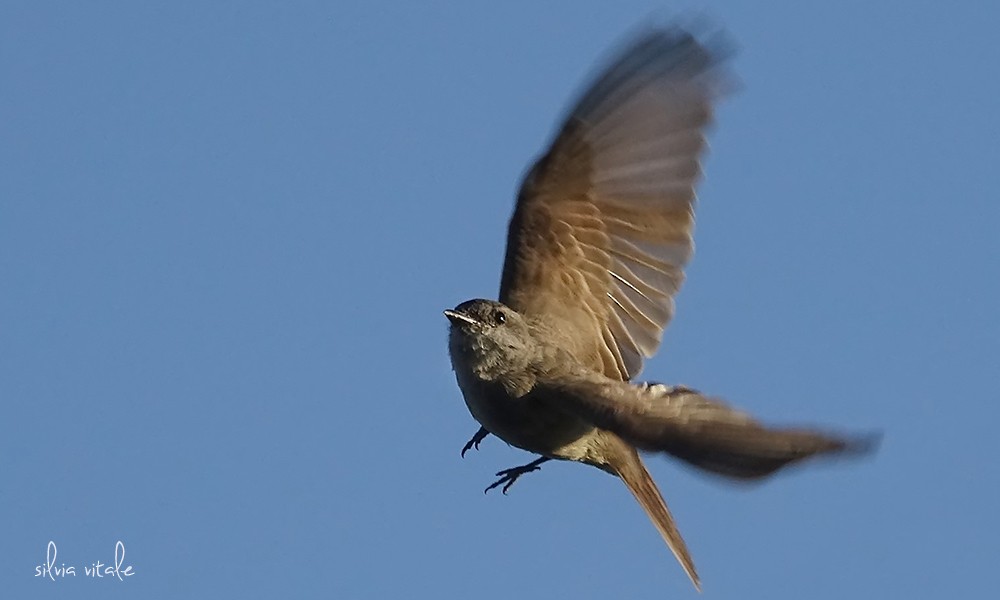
x=458, y=318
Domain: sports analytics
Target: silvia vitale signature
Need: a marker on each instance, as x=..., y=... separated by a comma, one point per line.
x=95, y=570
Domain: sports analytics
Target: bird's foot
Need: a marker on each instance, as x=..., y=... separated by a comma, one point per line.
x=474, y=442
x=509, y=476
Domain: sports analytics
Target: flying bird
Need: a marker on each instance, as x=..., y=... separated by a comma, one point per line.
x=596, y=249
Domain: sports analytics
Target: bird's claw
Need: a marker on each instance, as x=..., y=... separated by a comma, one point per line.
x=476, y=439
x=509, y=476
x=473, y=443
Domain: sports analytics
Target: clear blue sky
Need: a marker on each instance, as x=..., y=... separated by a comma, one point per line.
x=228, y=230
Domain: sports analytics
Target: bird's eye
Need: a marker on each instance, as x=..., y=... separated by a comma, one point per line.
x=500, y=318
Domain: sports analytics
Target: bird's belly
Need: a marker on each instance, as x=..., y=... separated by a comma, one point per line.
x=526, y=422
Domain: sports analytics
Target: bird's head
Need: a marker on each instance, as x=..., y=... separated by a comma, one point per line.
x=491, y=337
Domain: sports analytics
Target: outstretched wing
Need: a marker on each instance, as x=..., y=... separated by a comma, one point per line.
x=700, y=430
x=603, y=224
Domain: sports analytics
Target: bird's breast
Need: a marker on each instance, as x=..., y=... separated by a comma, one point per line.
x=522, y=419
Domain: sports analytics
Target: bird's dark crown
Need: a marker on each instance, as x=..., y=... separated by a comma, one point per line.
x=482, y=312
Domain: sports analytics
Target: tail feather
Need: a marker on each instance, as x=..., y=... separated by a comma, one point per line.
x=631, y=471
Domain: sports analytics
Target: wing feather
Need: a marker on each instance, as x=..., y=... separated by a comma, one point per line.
x=702, y=431
x=603, y=225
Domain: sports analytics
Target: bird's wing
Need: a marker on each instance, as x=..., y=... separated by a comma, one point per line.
x=603, y=224
x=702, y=431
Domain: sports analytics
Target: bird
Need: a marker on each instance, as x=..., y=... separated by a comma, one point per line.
x=596, y=248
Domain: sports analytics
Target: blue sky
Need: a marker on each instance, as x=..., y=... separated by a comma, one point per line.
x=228, y=230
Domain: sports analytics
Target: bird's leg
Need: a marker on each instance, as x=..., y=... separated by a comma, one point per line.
x=509, y=476
x=480, y=435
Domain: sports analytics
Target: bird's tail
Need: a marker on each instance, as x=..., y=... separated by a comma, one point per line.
x=630, y=469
